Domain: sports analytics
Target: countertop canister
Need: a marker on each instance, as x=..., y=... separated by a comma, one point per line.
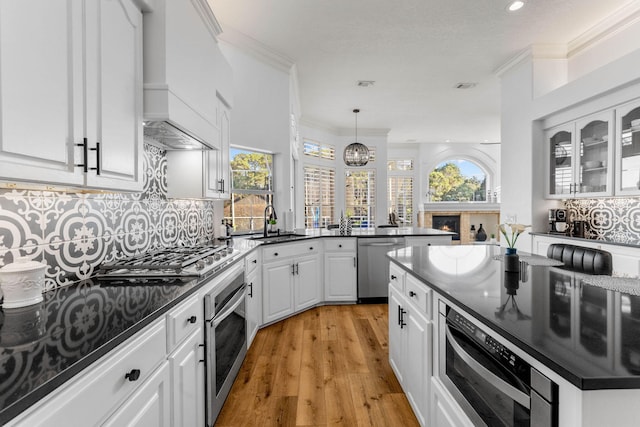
x=22, y=283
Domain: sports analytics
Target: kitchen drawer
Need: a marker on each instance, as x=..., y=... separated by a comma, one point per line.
x=252, y=261
x=340, y=245
x=419, y=294
x=183, y=320
x=289, y=250
x=396, y=277
x=97, y=391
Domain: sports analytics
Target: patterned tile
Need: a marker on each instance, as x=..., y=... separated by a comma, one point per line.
x=75, y=233
x=614, y=220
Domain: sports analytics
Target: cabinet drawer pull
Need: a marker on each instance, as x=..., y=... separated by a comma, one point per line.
x=251, y=290
x=339, y=246
x=393, y=277
x=85, y=153
x=133, y=375
x=255, y=261
x=275, y=254
x=192, y=319
x=412, y=294
x=310, y=248
x=97, y=150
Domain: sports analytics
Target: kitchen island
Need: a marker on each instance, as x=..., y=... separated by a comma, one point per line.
x=583, y=337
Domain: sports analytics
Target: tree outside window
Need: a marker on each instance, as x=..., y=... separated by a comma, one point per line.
x=457, y=181
x=251, y=189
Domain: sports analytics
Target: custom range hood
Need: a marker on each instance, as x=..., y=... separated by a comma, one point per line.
x=183, y=73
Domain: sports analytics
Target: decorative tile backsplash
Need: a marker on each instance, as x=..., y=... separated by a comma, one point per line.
x=74, y=233
x=613, y=220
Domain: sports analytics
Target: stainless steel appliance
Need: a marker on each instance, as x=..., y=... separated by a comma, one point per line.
x=225, y=337
x=558, y=221
x=491, y=383
x=373, y=267
x=179, y=261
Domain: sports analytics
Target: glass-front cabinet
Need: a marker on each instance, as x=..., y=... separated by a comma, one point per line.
x=580, y=155
x=628, y=149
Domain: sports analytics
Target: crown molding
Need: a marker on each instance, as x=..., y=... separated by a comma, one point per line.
x=536, y=51
x=612, y=24
x=363, y=132
x=256, y=49
x=316, y=124
x=209, y=19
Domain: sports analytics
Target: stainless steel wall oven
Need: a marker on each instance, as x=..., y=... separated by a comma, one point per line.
x=491, y=383
x=225, y=337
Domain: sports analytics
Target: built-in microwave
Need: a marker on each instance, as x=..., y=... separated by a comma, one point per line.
x=493, y=385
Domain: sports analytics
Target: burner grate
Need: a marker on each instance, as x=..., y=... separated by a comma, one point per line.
x=165, y=261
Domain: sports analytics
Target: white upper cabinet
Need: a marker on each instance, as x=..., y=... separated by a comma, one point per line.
x=71, y=74
x=218, y=178
x=580, y=158
x=628, y=149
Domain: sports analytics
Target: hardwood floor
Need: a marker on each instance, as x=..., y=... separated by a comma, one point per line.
x=326, y=366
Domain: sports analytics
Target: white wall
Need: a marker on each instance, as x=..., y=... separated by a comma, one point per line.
x=261, y=115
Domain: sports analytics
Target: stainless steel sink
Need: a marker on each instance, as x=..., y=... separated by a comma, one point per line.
x=279, y=238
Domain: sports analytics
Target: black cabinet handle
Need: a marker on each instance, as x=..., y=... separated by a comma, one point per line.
x=293, y=269
x=85, y=153
x=339, y=246
x=255, y=261
x=412, y=294
x=399, y=315
x=297, y=269
x=393, y=277
x=192, y=319
x=311, y=248
x=402, y=313
x=275, y=254
x=251, y=290
x=133, y=375
x=98, y=156
x=354, y=262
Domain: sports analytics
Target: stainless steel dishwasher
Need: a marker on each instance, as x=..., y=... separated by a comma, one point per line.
x=373, y=267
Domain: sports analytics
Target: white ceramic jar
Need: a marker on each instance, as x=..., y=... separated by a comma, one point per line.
x=22, y=283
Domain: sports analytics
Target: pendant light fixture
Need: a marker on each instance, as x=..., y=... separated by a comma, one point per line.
x=356, y=154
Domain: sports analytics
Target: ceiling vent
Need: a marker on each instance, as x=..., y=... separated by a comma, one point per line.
x=366, y=83
x=466, y=85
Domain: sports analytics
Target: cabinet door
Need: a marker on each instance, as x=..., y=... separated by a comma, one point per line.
x=307, y=281
x=113, y=61
x=627, y=179
x=396, y=350
x=417, y=363
x=446, y=412
x=149, y=406
x=560, y=161
x=254, y=305
x=594, y=149
x=41, y=91
x=218, y=179
x=340, y=277
x=187, y=383
x=277, y=297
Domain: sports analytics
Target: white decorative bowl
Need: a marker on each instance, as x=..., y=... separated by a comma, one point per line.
x=22, y=283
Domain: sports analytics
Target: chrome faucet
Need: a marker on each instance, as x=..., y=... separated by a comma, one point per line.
x=271, y=216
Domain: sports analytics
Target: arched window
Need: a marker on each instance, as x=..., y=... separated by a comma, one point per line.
x=457, y=180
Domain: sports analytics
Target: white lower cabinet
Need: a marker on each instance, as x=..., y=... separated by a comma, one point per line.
x=445, y=412
x=290, y=283
x=410, y=338
x=253, y=304
x=340, y=270
x=149, y=406
x=187, y=383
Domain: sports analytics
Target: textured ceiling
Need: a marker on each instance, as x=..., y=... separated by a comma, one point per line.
x=415, y=50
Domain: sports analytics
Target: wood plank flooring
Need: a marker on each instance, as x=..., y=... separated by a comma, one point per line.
x=328, y=366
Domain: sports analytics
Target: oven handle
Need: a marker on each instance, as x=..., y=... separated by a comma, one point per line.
x=237, y=299
x=520, y=397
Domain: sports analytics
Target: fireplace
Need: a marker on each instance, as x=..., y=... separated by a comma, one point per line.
x=448, y=223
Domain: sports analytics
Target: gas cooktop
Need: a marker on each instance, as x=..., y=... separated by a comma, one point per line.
x=180, y=261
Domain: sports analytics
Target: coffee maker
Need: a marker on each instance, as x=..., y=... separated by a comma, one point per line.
x=558, y=221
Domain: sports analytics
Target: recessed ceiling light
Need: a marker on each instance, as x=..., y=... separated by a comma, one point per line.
x=465, y=85
x=447, y=140
x=515, y=5
x=366, y=83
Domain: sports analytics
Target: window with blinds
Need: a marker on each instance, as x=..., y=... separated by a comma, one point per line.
x=316, y=149
x=399, y=165
x=319, y=196
x=400, y=198
x=360, y=196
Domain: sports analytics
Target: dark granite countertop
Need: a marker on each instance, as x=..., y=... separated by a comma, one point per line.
x=587, y=334
x=44, y=345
